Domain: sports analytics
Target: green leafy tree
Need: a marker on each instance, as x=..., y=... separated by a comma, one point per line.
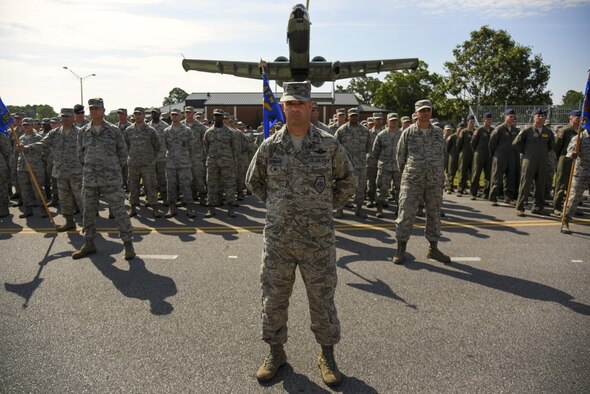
x=491, y=68
x=29, y=111
x=364, y=89
x=45, y=111
x=176, y=95
x=572, y=99
x=402, y=89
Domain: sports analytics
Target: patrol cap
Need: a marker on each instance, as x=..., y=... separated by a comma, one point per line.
x=296, y=91
x=540, y=111
x=27, y=121
x=509, y=111
x=45, y=121
x=189, y=108
x=199, y=114
x=406, y=119
x=18, y=115
x=36, y=121
x=341, y=111
x=140, y=110
x=165, y=115
x=175, y=111
x=225, y=115
x=78, y=109
x=66, y=112
x=392, y=115
x=470, y=117
x=462, y=125
x=97, y=102
x=370, y=119
x=122, y=111
x=218, y=112
x=55, y=119
x=487, y=115
x=448, y=127
x=421, y=104
x=231, y=118
x=353, y=112
x=576, y=112
x=377, y=115
x=155, y=109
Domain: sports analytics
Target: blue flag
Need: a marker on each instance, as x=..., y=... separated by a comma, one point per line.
x=586, y=107
x=5, y=118
x=271, y=112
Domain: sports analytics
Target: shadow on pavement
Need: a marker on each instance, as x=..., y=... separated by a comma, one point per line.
x=520, y=287
x=138, y=282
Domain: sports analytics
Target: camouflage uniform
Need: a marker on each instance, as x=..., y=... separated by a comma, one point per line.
x=14, y=159
x=143, y=145
x=198, y=186
x=122, y=127
x=179, y=146
x=453, y=162
x=29, y=192
x=247, y=149
x=357, y=143
x=385, y=152
x=535, y=146
x=420, y=160
x=504, y=162
x=564, y=164
x=465, y=157
x=66, y=166
x=161, y=158
x=103, y=154
x=480, y=144
x=300, y=189
x=221, y=151
x=371, y=163
x=581, y=177
x=5, y=155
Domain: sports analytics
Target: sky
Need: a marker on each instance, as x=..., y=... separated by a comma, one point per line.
x=135, y=47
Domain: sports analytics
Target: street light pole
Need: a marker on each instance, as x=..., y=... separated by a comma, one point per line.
x=81, y=80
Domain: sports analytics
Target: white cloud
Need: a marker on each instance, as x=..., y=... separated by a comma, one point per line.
x=504, y=9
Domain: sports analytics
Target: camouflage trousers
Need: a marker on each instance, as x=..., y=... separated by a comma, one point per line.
x=317, y=265
x=198, y=183
x=5, y=183
x=161, y=178
x=220, y=177
x=579, y=185
x=361, y=186
x=14, y=173
x=384, y=180
x=114, y=196
x=29, y=193
x=148, y=175
x=241, y=170
x=371, y=179
x=414, y=187
x=179, y=178
x=564, y=167
x=70, y=189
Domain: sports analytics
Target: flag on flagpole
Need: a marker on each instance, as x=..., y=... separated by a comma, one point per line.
x=5, y=118
x=586, y=107
x=271, y=111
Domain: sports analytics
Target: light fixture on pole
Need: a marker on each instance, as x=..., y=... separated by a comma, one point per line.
x=81, y=80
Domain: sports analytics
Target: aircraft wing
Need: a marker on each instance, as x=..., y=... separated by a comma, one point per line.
x=274, y=70
x=332, y=71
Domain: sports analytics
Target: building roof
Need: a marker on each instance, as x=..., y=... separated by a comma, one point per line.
x=255, y=98
x=368, y=108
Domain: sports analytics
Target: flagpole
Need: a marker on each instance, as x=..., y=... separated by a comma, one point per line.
x=33, y=178
x=582, y=121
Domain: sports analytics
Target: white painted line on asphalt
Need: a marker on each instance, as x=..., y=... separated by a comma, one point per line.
x=232, y=257
x=577, y=261
x=158, y=256
x=466, y=259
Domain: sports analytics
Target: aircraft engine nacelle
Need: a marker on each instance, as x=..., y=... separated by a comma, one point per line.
x=282, y=59
x=318, y=59
x=336, y=68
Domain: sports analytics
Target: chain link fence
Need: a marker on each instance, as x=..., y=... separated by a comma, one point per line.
x=558, y=115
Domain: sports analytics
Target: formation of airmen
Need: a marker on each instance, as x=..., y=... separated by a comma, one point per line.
x=192, y=160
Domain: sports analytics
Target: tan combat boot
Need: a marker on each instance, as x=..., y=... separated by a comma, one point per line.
x=330, y=373
x=190, y=211
x=565, y=228
x=171, y=211
x=435, y=254
x=210, y=212
x=129, y=251
x=379, y=213
x=273, y=361
x=69, y=224
x=400, y=252
x=85, y=250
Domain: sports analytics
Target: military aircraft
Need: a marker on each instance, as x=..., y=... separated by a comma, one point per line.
x=298, y=67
